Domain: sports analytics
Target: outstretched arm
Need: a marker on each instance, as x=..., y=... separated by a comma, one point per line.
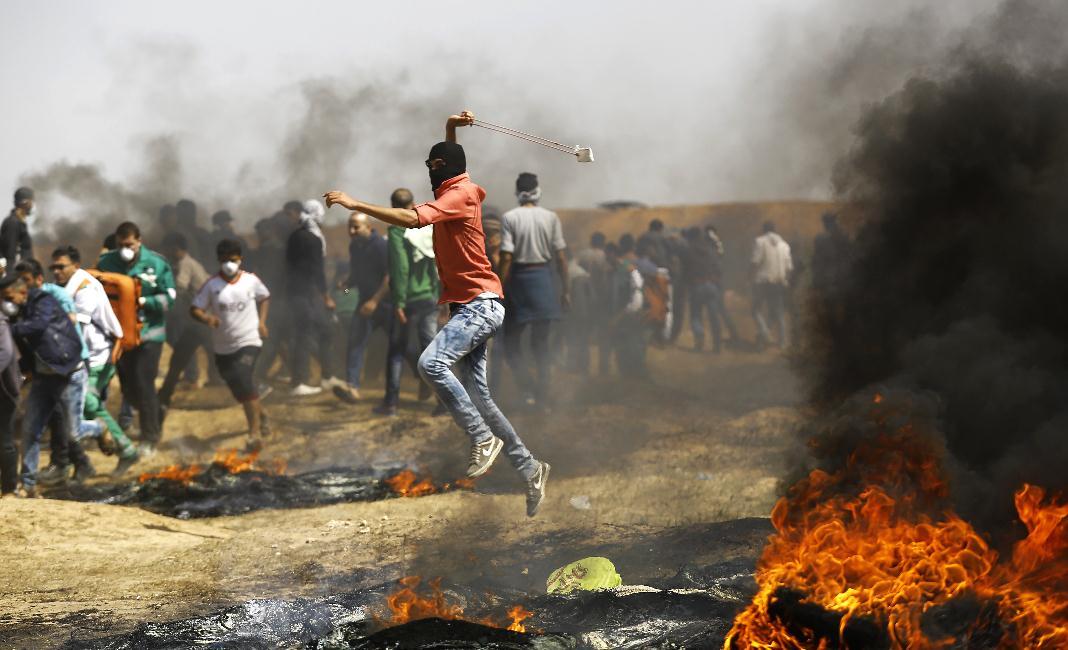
x=466, y=118
x=403, y=217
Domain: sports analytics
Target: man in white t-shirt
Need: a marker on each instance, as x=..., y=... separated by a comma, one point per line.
x=234, y=303
x=772, y=267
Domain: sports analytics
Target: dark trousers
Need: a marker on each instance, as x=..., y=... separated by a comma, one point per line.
x=423, y=322
x=137, y=374
x=531, y=387
x=194, y=336
x=310, y=333
x=9, y=455
x=278, y=329
x=631, y=340
x=705, y=301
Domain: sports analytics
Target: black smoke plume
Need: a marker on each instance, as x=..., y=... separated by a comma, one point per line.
x=954, y=284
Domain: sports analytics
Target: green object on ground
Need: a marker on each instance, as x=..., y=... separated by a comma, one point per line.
x=587, y=574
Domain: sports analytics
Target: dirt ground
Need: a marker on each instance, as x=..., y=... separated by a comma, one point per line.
x=706, y=441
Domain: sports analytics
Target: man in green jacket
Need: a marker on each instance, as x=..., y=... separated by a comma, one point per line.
x=138, y=367
x=414, y=289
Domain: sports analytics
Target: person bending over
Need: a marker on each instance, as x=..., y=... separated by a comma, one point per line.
x=473, y=292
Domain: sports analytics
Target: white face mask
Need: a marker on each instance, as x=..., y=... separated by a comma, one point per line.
x=229, y=269
x=9, y=308
x=127, y=254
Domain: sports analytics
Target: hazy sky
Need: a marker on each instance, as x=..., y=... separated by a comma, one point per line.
x=681, y=101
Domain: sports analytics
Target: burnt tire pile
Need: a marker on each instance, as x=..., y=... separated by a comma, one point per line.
x=216, y=492
x=692, y=610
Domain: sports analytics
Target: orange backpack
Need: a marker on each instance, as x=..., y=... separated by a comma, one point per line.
x=124, y=294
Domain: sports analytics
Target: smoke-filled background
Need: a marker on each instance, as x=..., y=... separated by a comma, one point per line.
x=114, y=108
x=955, y=281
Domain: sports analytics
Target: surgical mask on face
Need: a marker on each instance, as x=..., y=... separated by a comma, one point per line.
x=229, y=269
x=127, y=254
x=9, y=308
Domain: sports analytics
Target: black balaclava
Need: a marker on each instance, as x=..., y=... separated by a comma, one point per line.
x=455, y=162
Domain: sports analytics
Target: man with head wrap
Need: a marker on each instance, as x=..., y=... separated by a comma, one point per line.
x=15, y=241
x=531, y=241
x=473, y=293
x=310, y=304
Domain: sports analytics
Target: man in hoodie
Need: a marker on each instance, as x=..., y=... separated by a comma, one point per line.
x=473, y=293
x=138, y=367
x=772, y=266
x=101, y=331
x=51, y=352
x=15, y=241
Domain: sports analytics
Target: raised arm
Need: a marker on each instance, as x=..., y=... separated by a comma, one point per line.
x=465, y=118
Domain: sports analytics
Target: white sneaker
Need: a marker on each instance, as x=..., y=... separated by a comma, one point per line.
x=303, y=390
x=332, y=383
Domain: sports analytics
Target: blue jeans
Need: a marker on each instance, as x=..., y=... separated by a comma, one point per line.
x=359, y=333
x=462, y=343
x=45, y=398
x=422, y=318
x=705, y=299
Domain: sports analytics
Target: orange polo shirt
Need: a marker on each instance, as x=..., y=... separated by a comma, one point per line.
x=459, y=243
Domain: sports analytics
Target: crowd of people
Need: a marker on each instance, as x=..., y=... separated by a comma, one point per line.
x=262, y=314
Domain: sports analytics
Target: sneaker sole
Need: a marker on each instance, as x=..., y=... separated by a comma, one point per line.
x=544, y=482
x=496, y=450
x=344, y=395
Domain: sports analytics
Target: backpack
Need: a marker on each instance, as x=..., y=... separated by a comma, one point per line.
x=657, y=298
x=124, y=294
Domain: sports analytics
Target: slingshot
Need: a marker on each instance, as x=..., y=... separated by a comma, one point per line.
x=583, y=154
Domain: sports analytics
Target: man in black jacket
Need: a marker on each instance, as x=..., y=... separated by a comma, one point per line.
x=15, y=241
x=309, y=301
x=51, y=351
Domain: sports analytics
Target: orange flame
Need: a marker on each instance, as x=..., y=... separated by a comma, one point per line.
x=874, y=552
x=518, y=614
x=230, y=460
x=407, y=483
x=407, y=604
x=181, y=473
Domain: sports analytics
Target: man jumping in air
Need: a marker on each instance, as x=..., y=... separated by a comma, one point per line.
x=473, y=292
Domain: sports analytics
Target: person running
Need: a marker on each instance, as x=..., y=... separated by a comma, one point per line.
x=473, y=292
x=66, y=452
x=234, y=304
x=51, y=352
x=102, y=331
x=138, y=367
